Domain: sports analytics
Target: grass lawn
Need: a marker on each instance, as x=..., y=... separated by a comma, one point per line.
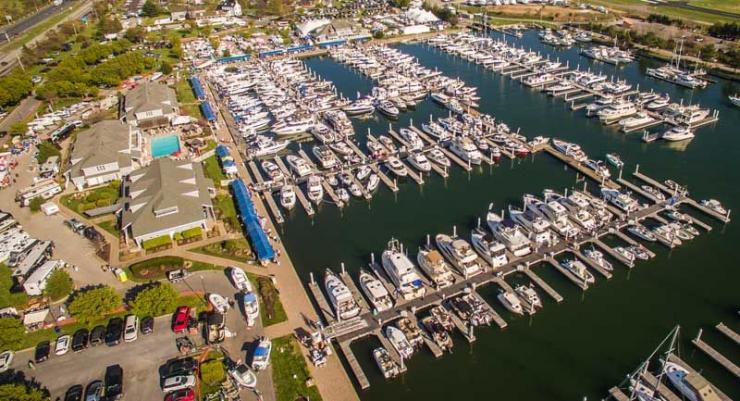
x=79, y=202
x=8, y=298
x=507, y=21
x=271, y=309
x=157, y=268
x=111, y=226
x=234, y=249
x=289, y=371
x=186, y=98
x=212, y=170
x=732, y=6
x=693, y=15
x=47, y=150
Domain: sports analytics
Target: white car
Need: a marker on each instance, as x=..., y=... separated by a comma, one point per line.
x=62, y=345
x=131, y=328
x=244, y=376
x=6, y=358
x=175, y=383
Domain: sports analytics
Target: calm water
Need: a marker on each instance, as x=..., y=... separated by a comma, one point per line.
x=588, y=343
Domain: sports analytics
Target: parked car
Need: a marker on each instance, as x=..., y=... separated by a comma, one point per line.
x=62, y=345
x=6, y=358
x=97, y=335
x=113, y=332
x=75, y=225
x=92, y=234
x=180, y=319
x=177, y=275
x=114, y=382
x=147, y=325
x=80, y=339
x=74, y=393
x=175, y=383
x=181, y=395
x=94, y=391
x=42, y=352
x=182, y=366
x=131, y=331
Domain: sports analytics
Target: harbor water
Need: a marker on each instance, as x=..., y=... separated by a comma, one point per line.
x=588, y=343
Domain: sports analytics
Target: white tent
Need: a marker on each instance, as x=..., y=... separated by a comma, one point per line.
x=420, y=16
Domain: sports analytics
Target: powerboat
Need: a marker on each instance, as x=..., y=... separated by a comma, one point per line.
x=272, y=170
x=509, y=234
x=622, y=201
x=219, y=303
x=264, y=146
x=614, y=160
x=598, y=258
x=343, y=194
x=399, y=341
x=511, y=302
x=642, y=232
x=314, y=189
x=402, y=272
x=438, y=333
x=386, y=364
x=690, y=385
x=434, y=266
x=419, y=161
x=363, y=172
x=251, y=307
x=375, y=291
x=654, y=192
x=437, y=156
x=287, y=197
x=326, y=157
x=465, y=149
x=639, y=251
x=240, y=279
x=396, y=167
x=388, y=108
x=298, y=165
x=529, y=294
x=579, y=270
x=412, y=139
x=344, y=304
x=373, y=182
x=715, y=206
x=677, y=133
x=261, y=356
x=493, y=252
x=358, y=107
x=411, y=331
x=538, y=227
x=666, y=236
x=460, y=254
x=625, y=253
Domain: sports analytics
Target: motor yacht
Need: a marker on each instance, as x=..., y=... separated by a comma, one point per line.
x=326, y=157
x=432, y=263
x=715, y=206
x=677, y=133
x=538, y=227
x=402, y=272
x=579, y=270
x=666, y=236
x=509, y=234
x=657, y=194
x=437, y=156
x=438, y=333
x=642, y=232
x=314, y=189
x=411, y=331
x=460, y=254
x=465, y=149
x=344, y=304
x=359, y=107
x=375, y=292
x=625, y=253
x=597, y=257
x=493, y=252
x=373, y=182
x=412, y=139
x=511, y=302
x=614, y=160
x=419, y=161
x=529, y=294
x=399, y=341
x=386, y=364
x=272, y=170
x=396, y=167
x=287, y=197
x=264, y=146
x=298, y=165
x=622, y=201
x=363, y=172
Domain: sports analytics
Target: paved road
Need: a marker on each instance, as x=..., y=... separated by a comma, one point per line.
x=28, y=22
x=142, y=359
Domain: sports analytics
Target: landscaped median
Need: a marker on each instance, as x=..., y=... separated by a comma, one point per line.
x=290, y=374
x=80, y=202
x=234, y=249
x=157, y=268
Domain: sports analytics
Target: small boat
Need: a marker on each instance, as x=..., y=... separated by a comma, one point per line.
x=511, y=302
x=373, y=182
x=614, y=160
x=240, y=279
x=667, y=236
x=734, y=99
x=438, y=332
x=219, y=303
x=340, y=296
x=677, y=134
x=625, y=253
x=343, y=195
x=411, y=331
x=715, y=206
x=315, y=190
x=397, y=167
x=272, y=170
x=261, y=356
x=528, y=294
x=363, y=172
x=437, y=156
x=399, y=341
x=419, y=161
x=287, y=197
x=251, y=308
x=386, y=364
x=654, y=192
x=642, y=232
x=579, y=270
x=639, y=251
x=388, y=108
x=375, y=291
x=598, y=258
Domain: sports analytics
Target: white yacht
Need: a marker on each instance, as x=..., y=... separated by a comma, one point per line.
x=538, y=228
x=373, y=182
x=617, y=111
x=509, y=234
x=399, y=341
x=293, y=128
x=434, y=266
x=402, y=272
x=360, y=106
x=412, y=139
x=677, y=133
x=326, y=157
x=714, y=205
x=598, y=258
x=511, y=302
x=436, y=155
x=386, y=364
x=264, y=146
x=272, y=170
x=622, y=201
x=556, y=214
x=363, y=172
x=387, y=107
x=690, y=385
x=397, y=167
x=464, y=148
x=419, y=161
x=493, y=252
x=460, y=254
x=298, y=165
x=529, y=294
x=375, y=292
x=314, y=189
x=569, y=149
x=642, y=232
x=579, y=270
x=287, y=197
x=341, y=299
x=636, y=121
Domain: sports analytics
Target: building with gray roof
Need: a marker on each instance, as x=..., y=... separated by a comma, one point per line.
x=149, y=105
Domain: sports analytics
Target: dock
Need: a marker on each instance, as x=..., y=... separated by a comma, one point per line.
x=714, y=354
x=542, y=284
x=660, y=388
x=356, y=294
x=635, y=188
x=500, y=322
x=465, y=166
x=581, y=168
x=384, y=178
x=624, y=237
x=256, y=172
x=392, y=352
x=354, y=365
x=318, y=295
x=526, y=306
x=617, y=394
x=731, y=334
x=298, y=191
x=433, y=347
x=593, y=264
x=333, y=195
x=673, y=358
x=274, y=207
x=461, y=326
x=567, y=274
x=614, y=254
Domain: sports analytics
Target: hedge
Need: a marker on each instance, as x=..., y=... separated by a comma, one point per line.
x=190, y=233
x=157, y=242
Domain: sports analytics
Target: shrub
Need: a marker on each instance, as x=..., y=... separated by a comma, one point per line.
x=212, y=372
x=59, y=285
x=11, y=333
x=156, y=300
x=90, y=305
x=157, y=242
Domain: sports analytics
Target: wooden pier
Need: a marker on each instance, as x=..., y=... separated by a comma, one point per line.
x=660, y=388
x=571, y=162
x=614, y=254
x=542, y=284
x=354, y=365
x=356, y=294
x=326, y=311
x=392, y=352
x=714, y=354
x=567, y=274
x=298, y=191
x=255, y=172
x=431, y=345
x=270, y=200
x=461, y=326
x=637, y=189
x=333, y=195
x=624, y=237
x=618, y=395
x=526, y=306
x=731, y=334
x=673, y=358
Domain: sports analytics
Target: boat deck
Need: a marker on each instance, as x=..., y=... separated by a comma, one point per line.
x=567, y=274
x=592, y=264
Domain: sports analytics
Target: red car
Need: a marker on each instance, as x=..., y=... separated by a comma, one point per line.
x=181, y=318
x=181, y=395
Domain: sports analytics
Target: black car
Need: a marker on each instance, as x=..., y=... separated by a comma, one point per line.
x=113, y=382
x=74, y=393
x=42, y=352
x=79, y=340
x=178, y=367
x=94, y=391
x=147, y=325
x=97, y=335
x=113, y=331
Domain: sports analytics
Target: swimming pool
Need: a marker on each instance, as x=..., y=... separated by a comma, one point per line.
x=165, y=145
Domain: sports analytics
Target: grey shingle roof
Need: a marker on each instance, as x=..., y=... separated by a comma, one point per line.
x=102, y=143
x=150, y=96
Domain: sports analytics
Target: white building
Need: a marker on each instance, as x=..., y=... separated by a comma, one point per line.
x=36, y=282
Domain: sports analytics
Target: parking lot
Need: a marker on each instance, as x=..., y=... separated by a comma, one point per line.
x=142, y=358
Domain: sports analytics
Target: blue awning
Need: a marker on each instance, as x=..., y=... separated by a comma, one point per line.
x=222, y=151
x=197, y=88
x=207, y=111
x=260, y=243
x=231, y=59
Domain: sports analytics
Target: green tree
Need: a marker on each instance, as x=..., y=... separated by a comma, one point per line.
x=18, y=128
x=156, y=300
x=165, y=68
x=35, y=204
x=20, y=392
x=59, y=285
x=212, y=372
x=109, y=25
x=136, y=34
x=11, y=335
x=90, y=305
x=150, y=9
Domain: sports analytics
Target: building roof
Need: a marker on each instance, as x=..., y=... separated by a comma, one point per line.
x=105, y=142
x=165, y=195
x=150, y=96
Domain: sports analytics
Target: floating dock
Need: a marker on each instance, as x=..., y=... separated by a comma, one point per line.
x=592, y=264
x=581, y=168
x=500, y=322
x=614, y=254
x=354, y=365
x=567, y=274
x=714, y=354
x=660, y=388
x=542, y=284
x=731, y=334
x=318, y=295
x=618, y=395
x=356, y=294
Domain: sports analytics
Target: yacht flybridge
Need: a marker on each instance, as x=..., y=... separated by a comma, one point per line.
x=402, y=272
x=510, y=234
x=460, y=254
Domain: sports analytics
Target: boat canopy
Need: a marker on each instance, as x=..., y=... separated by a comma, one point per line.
x=197, y=88
x=251, y=222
